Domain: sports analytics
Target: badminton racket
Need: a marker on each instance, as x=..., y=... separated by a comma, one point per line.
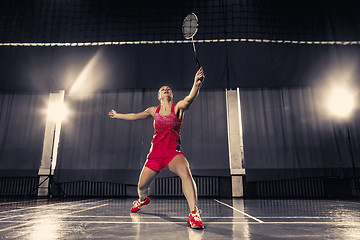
x=189, y=29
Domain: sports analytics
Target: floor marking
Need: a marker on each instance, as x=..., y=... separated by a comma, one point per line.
x=340, y=201
x=11, y=217
x=29, y=222
x=144, y=217
x=132, y=222
x=20, y=202
x=305, y=217
x=26, y=208
x=258, y=220
x=318, y=223
x=86, y=209
x=16, y=226
x=204, y=217
x=114, y=222
x=14, y=216
x=50, y=205
x=185, y=217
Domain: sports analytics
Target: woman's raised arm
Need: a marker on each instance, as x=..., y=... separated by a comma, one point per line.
x=186, y=102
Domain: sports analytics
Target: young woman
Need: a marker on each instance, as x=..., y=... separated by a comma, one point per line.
x=165, y=147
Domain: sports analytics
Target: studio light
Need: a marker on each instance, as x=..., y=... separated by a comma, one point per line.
x=57, y=111
x=341, y=101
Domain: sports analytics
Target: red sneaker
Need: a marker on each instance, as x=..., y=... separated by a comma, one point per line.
x=138, y=204
x=195, y=220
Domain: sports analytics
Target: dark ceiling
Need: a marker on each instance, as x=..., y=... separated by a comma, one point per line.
x=253, y=63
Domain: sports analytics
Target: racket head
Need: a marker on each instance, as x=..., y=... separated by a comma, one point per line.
x=190, y=26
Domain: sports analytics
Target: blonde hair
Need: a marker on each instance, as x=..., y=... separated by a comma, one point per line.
x=162, y=87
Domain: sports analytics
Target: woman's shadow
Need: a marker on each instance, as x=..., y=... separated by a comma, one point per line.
x=194, y=234
x=176, y=220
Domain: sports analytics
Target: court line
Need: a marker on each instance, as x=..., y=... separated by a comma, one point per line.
x=317, y=223
x=50, y=205
x=73, y=205
x=232, y=217
x=155, y=217
x=303, y=217
x=248, y=215
x=1, y=219
x=16, y=226
x=20, y=202
x=341, y=201
x=128, y=222
x=151, y=222
x=86, y=209
x=114, y=222
x=4, y=220
x=146, y=217
x=27, y=223
x=207, y=217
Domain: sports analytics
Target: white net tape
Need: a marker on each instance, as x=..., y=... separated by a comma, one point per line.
x=85, y=44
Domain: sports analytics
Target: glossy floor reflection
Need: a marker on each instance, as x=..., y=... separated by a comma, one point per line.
x=166, y=219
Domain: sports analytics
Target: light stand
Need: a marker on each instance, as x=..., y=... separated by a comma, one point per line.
x=356, y=179
x=341, y=102
x=50, y=176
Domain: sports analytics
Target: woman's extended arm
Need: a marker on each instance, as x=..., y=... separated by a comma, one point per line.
x=149, y=112
x=186, y=102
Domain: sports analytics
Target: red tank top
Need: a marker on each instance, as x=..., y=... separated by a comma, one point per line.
x=166, y=139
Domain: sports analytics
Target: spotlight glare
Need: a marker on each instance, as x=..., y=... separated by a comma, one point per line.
x=57, y=111
x=340, y=102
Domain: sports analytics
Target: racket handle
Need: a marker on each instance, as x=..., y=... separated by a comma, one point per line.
x=197, y=64
x=198, y=67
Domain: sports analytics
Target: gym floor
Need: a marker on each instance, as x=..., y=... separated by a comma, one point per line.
x=166, y=219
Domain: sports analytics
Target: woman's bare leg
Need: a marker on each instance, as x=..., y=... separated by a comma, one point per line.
x=147, y=175
x=180, y=166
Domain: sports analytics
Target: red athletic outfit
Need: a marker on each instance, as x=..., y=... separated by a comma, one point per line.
x=166, y=142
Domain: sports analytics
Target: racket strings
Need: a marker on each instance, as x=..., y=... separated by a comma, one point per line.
x=190, y=26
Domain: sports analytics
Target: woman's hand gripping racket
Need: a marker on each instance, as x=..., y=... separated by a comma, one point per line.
x=189, y=29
